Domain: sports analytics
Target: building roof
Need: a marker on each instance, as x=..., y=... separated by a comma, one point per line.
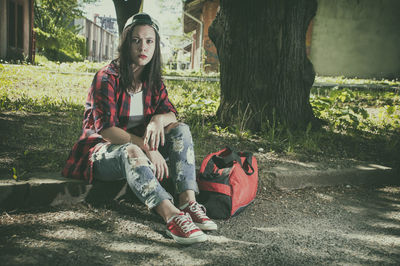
x=194, y=8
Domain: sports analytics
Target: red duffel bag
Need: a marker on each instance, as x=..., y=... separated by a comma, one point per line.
x=228, y=182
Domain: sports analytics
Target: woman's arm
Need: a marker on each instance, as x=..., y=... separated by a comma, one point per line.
x=154, y=132
x=164, y=119
x=116, y=135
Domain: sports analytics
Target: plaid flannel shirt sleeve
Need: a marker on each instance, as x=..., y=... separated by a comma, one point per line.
x=104, y=102
x=164, y=104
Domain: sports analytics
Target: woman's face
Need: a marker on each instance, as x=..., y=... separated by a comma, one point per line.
x=143, y=44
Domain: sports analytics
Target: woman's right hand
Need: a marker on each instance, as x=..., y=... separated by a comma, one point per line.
x=161, y=167
x=154, y=134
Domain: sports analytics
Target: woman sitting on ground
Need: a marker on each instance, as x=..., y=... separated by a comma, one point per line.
x=130, y=129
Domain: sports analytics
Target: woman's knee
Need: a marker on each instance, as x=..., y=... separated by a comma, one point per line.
x=136, y=156
x=177, y=128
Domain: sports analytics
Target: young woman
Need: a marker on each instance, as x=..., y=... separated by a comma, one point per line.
x=130, y=129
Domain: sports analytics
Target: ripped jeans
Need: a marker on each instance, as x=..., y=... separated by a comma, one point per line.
x=113, y=162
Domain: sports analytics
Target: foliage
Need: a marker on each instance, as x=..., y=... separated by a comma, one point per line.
x=56, y=34
x=33, y=89
x=74, y=67
x=352, y=110
x=189, y=73
x=42, y=113
x=42, y=109
x=355, y=80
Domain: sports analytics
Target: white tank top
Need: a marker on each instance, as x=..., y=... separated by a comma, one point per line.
x=136, y=116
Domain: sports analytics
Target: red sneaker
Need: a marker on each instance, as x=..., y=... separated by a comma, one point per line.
x=199, y=217
x=182, y=229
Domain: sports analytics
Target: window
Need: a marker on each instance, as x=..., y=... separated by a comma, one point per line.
x=87, y=46
x=15, y=25
x=11, y=24
x=20, y=26
x=94, y=49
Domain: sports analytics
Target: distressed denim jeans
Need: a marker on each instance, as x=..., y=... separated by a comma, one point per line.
x=112, y=162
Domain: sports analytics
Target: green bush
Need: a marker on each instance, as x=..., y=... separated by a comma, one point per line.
x=45, y=40
x=62, y=46
x=59, y=55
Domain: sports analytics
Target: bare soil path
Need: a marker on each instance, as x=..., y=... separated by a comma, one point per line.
x=337, y=225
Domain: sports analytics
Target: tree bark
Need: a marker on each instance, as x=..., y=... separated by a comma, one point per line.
x=264, y=70
x=124, y=10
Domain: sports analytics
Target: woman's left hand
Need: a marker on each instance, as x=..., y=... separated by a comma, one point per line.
x=161, y=167
x=154, y=134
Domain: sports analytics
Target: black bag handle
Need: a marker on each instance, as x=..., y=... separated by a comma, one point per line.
x=249, y=161
x=227, y=161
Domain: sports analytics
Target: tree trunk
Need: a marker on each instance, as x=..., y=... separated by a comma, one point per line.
x=264, y=70
x=124, y=10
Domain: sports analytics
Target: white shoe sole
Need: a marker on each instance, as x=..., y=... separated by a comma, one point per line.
x=187, y=240
x=207, y=227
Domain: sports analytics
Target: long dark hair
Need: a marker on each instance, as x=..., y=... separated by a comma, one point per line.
x=152, y=71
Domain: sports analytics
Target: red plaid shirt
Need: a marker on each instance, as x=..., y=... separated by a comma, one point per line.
x=108, y=106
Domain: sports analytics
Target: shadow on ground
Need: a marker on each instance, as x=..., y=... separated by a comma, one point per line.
x=337, y=225
x=31, y=142
x=40, y=141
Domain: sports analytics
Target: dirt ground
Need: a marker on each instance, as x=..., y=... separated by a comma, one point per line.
x=337, y=225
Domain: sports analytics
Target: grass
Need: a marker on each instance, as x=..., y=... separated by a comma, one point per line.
x=345, y=80
x=41, y=113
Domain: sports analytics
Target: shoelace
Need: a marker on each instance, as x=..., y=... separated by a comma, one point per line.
x=185, y=222
x=199, y=210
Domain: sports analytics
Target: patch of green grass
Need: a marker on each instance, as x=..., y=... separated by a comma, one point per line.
x=40, y=117
x=344, y=80
x=74, y=67
x=41, y=114
x=352, y=111
x=31, y=88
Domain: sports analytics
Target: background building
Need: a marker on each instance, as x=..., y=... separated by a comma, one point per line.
x=16, y=30
x=197, y=18
x=101, y=39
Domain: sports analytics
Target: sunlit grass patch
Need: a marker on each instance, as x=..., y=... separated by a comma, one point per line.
x=41, y=113
x=35, y=89
x=364, y=110
x=74, y=67
x=355, y=80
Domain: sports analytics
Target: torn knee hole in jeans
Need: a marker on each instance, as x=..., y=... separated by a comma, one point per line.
x=173, y=125
x=139, y=161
